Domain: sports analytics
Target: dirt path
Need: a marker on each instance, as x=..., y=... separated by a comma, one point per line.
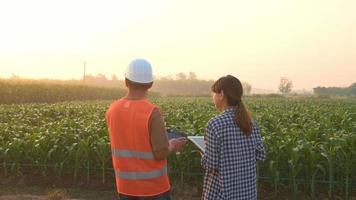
x=18, y=197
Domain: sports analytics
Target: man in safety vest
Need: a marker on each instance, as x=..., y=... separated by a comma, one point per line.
x=138, y=138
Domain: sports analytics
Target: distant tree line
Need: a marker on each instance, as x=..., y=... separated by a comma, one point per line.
x=347, y=91
x=17, y=90
x=30, y=91
x=180, y=84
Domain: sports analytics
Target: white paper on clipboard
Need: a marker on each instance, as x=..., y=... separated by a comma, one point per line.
x=198, y=141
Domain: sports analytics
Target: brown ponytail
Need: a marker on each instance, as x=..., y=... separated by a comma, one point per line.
x=243, y=118
x=233, y=91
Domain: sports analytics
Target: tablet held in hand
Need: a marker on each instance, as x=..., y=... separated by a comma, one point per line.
x=172, y=133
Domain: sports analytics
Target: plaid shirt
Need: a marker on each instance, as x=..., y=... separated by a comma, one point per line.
x=230, y=159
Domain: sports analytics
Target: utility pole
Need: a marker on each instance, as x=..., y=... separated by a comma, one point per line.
x=84, y=65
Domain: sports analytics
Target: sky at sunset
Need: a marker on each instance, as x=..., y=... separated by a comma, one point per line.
x=312, y=42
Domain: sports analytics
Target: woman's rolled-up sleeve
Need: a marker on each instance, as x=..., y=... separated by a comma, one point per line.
x=260, y=147
x=210, y=159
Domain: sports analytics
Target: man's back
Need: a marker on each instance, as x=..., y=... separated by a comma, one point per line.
x=137, y=171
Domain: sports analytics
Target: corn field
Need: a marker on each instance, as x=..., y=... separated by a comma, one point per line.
x=15, y=92
x=311, y=143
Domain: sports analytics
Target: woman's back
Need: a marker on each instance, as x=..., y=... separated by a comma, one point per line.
x=230, y=159
x=233, y=145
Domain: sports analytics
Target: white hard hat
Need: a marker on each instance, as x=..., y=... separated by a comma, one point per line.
x=139, y=71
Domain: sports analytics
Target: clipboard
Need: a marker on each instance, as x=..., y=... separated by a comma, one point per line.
x=198, y=141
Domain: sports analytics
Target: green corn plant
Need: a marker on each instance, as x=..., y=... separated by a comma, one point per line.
x=329, y=152
x=307, y=139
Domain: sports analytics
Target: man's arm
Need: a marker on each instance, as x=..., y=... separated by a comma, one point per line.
x=161, y=146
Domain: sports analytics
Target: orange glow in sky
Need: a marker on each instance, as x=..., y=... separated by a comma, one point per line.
x=311, y=42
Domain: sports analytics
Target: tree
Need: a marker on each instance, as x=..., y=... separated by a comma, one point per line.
x=181, y=76
x=192, y=76
x=114, y=78
x=285, y=85
x=101, y=77
x=15, y=77
x=353, y=89
x=247, y=88
x=339, y=91
x=89, y=78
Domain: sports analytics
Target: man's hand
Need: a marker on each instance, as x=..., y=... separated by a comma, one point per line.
x=177, y=144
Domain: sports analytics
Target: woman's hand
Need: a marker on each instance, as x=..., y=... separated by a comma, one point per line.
x=177, y=144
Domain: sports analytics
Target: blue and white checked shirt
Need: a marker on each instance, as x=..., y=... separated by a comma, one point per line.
x=230, y=159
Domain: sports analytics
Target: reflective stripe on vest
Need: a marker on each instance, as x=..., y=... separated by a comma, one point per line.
x=142, y=175
x=132, y=154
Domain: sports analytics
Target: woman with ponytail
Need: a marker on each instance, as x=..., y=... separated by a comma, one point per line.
x=233, y=146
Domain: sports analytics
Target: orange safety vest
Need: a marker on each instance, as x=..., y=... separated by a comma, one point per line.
x=137, y=172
